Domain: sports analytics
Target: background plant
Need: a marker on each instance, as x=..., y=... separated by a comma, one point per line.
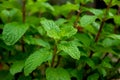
x=62, y=40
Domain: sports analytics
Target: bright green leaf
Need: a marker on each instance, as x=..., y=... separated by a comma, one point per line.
x=47, y=5
x=70, y=48
x=12, y=32
x=35, y=60
x=65, y=9
x=68, y=31
x=60, y=21
x=57, y=74
x=52, y=29
x=16, y=67
x=114, y=2
x=117, y=19
x=96, y=12
x=87, y=19
x=114, y=36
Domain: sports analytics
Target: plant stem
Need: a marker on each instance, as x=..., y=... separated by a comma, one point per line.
x=58, y=61
x=23, y=20
x=102, y=25
x=106, y=54
x=70, y=14
x=103, y=22
x=98, y=35
x=100, y=30
x=54, y=55
x=23, y=11
x=77, y=19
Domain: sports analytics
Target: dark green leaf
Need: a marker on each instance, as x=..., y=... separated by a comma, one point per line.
x=102, y=71
x=94, y=76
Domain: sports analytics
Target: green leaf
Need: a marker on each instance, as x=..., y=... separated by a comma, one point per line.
x=114, y=2
x=41, y=30
x=90, y=29
x=12, y=32
x=108, y=42
x=83, y=1
x=68, y=31
x=5, y=14
x=90, y=63
x=33, y=21
x=114, y=36
x=96, y=12
x=60, y=21
x=16, y=67
x=52, y=29
x=117, y=19
x=36, y=41
x=5, y=75
x=70, y=48
x=65, y=9
x=48, y=6
x=11, y=15
x=94, y=76
x=87, y=19
x=106, y=64
x=102, y=71
x=57, y=74
x=35, y=60
x=84, y=39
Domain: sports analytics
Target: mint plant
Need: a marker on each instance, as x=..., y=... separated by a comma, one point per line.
x=71, y=41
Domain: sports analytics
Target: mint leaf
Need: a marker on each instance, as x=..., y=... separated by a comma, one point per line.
x=70, y=48
x=36, y=41
x=117, y=19
x=51, y=28
x=35, y=60
x=68, y=31
x=16, y=67
x=87, y=19
x=12, y=32
x=57, y=74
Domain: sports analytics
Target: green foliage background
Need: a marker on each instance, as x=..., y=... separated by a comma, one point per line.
x=71, y=40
